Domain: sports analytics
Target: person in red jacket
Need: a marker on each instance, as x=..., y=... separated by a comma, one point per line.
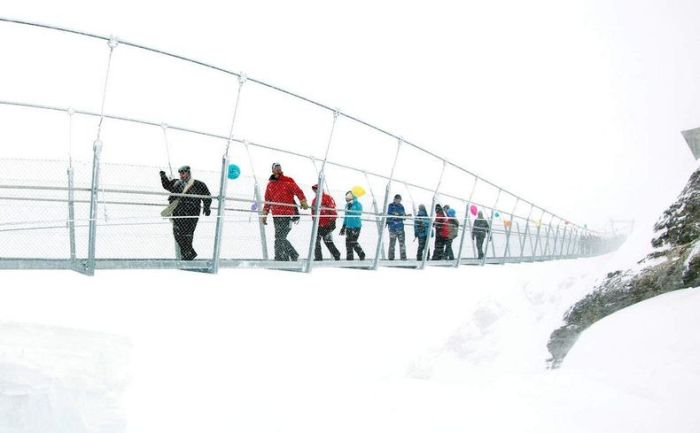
x=326, y=225
x=279, y=199
x=442, y=231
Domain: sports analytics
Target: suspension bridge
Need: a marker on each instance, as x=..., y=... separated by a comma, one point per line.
x=96, y=203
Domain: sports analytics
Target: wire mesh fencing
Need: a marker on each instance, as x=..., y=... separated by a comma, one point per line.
x=97, y=202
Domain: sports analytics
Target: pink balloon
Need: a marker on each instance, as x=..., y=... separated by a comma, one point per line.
x=473, y=209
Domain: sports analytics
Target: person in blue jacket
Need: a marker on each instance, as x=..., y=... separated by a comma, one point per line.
x=421, y=229
x=397, y=214
x=352, y=224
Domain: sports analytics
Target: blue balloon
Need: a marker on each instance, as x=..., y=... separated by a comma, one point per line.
x=233, y=171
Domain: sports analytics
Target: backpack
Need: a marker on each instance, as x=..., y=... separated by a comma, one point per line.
x=454, y=228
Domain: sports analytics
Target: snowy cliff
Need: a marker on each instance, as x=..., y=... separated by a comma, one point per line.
x=674, y=264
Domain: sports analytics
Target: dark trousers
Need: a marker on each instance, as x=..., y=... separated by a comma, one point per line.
x=326, y=233
x=421, y=247
x=283, y=248
x=183, y=230
x=439, y=252
x=480, y=244
x=401, y=236
x=351, y=244
x=449, y=254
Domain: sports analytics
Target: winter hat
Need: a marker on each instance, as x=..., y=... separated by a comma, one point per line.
x=349, y=195
x=276, y=164
x=397, y=196
x=451, y=213
x=183, y=169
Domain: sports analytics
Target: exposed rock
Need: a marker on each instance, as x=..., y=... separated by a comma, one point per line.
x=674, y=265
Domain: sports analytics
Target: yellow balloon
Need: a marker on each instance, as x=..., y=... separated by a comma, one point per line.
x=358, y=191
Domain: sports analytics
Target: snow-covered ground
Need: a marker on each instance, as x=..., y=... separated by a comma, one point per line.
x=439, y=350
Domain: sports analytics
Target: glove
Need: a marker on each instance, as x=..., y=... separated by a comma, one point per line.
x=207, y=212
x=304, y=205
x=263, y=219
x=342, y=231
x=162, y=173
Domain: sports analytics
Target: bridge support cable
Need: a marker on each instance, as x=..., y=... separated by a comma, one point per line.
x=490, y=236
x=376, y=210
x=537, y=234
x=383, y=213
x=432, y=216
x=553, y=253
x=97, y=151
x=545, y=253
x=465, y=223
x=166, y=142
x=509, y=229
x=526, y=233
x=316, y=211
x=259, y=82
x=563, y=240
x=223, y=183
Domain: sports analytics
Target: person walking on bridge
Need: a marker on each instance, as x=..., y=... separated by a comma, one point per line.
x=279, y=200
x=421, y=230
x=352, y=225
x=394, y=221
x=186, y=212
x=441, y=232
x=479, y=232
x=326, y=225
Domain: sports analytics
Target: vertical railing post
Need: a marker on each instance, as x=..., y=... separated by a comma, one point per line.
x=71, y=214
x=380, y=238
x=258, y=203
x=220, y=214
x=547, y=235
x=432, y=218
x=465, y=223
x=316, y=216
x=376, y=209
x=566, y=241
x=554, y=242
x=526, y=233
x=563, y=241
x=520, y=234
x=506, y=252
x=223, y=183
x=537, y=235
x=263, y=234
x=96, y=154
x=316, y=211
x=71, y=191
x=572, y=240
x=490, y=237
x=92, y=233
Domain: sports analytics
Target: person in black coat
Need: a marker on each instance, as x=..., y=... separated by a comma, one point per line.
x=185, y=215
x=479, y=232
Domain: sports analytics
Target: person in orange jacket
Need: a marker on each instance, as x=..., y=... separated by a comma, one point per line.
x=326, y=225
x=279, y=200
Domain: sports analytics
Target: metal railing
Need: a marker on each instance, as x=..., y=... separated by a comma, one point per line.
x=517, y=228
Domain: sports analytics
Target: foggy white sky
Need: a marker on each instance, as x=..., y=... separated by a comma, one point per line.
x=577, y=106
